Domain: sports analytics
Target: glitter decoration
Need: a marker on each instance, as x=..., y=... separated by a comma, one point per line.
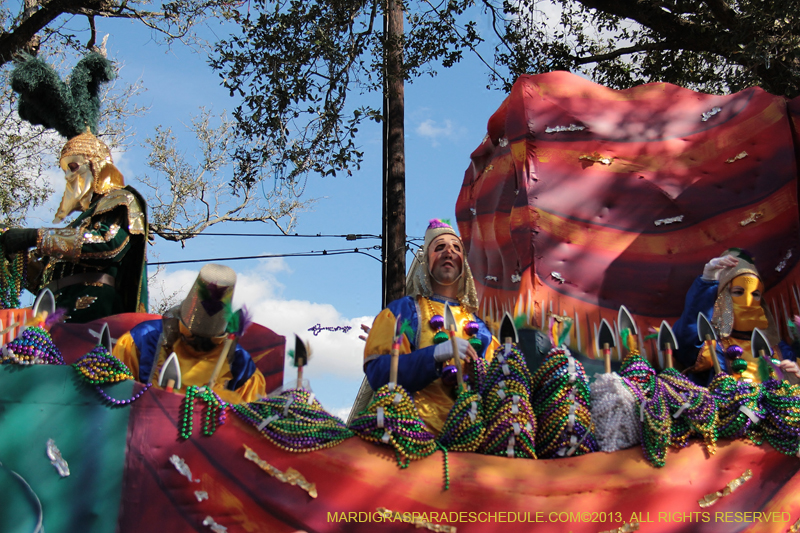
x=181, y=466
x=291, y=476
x=559, y=129
x=200, y=495
x=752, y=217
x=710, y=499
x=54, y=454
x=392, y=419
x=740, y=155
x=710, y=113
x=294, y=421
x=216, y=528
x=34, y=346
x=562, y=403
x=670, y=220
x=783, y=262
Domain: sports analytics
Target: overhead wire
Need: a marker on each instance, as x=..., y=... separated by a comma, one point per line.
x=313, y=253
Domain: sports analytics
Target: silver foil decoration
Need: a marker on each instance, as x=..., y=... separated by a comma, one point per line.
x=216, y=528
x=490, y=278
x=710, y=113
x=516, y=278
x=54, y=454
x=503, y=142
x=558, y=277
x=558, y=129
x=183, y=468
x=782, y=264
x=200, y=495
x=752, y=217
x=740, y=155
x=670, y=220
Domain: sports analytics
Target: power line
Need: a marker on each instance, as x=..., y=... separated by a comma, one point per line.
x=320, y=253
x=348, y=236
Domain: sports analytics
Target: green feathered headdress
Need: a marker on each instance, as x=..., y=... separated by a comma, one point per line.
x=45, y=100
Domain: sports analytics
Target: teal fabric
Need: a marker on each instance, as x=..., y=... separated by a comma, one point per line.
x=50, y=402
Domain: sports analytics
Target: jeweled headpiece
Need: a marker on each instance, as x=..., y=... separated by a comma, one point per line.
x=418, y=280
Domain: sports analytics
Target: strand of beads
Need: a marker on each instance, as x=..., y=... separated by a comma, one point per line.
x=693, y=410
x=510, y=420
x=391, y=418
x=506, y=375
x=214, y=415
x=34, y=346
x=12, y=278
x=781, y=425
x=464, y=428
x=654, y=417
x=99, y=367
x=616, y=420
x=446, y=467
x=562, y=403
x=294, y=421
x=511, y=431
x=739, y=408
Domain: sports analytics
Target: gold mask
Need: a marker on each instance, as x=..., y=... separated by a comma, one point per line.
x=79, y=187
x=747, y=311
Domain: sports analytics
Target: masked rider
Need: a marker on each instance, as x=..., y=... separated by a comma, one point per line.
x=95, y=266
x=730, y=294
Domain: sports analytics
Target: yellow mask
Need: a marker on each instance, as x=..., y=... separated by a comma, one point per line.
x=747, y=311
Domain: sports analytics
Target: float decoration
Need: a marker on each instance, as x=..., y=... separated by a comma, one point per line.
x=391, y=418
x=561, y=400
x=613, y=410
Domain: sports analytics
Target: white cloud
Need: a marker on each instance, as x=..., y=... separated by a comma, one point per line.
x=433, y=130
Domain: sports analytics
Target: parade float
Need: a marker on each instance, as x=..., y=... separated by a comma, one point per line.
x=579, y=200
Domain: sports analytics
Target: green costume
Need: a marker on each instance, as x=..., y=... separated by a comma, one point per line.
x=95, y=266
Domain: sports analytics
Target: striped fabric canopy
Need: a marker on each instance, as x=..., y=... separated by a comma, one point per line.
x=583, y=198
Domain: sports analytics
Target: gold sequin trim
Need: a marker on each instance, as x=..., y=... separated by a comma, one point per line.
x=291, y=476
x=93, y=238
x=710, y=499
x=122, y=197
x=795, y=528
x=417, y=521
x=106, y=255
x=61, y=243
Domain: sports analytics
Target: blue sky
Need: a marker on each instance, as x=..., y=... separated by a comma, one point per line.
x=445, y=120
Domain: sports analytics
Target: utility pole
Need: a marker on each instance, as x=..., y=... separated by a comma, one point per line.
x=394, y=159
